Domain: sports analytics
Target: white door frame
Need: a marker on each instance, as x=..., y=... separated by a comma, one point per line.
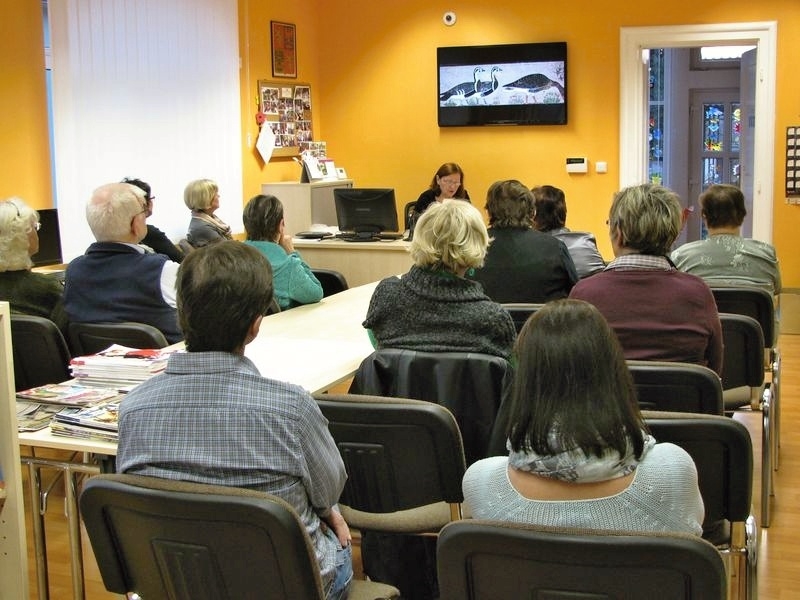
x=633, y=100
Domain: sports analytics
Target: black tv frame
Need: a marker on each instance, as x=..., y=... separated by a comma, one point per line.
x=493, y=102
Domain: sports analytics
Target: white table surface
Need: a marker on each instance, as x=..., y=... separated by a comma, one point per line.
x=317, y=346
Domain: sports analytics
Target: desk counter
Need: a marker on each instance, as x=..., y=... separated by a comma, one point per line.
x=359, y=262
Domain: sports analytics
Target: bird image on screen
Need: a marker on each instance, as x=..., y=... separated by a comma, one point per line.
x=366, y=214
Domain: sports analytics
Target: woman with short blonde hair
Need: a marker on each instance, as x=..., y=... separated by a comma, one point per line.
x=453, y=238
x=201, y=196
x=657, y=311
x=433, y=307
x=27, y=292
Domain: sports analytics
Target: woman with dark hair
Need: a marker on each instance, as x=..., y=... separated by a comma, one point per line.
x=725, y=257
x=580, y=454
x=522, y=264
x=447, y=183
x=294, y=282
x=551, y=217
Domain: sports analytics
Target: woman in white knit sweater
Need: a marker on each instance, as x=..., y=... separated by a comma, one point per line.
x=580, y=454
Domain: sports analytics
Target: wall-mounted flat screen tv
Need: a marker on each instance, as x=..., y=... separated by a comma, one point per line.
x=507, y=84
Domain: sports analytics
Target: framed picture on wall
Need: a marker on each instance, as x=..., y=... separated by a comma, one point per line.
x=284, y=49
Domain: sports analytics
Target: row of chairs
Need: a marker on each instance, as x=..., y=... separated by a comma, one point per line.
x=405, y=463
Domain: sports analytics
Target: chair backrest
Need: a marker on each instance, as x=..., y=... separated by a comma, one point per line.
x=90, y=338
x=471, y=385
x=743, y=361
x=409, y=215
x=332, y=282
x=753, y=302
x=484, y=560
x=722, y=451
x=40, y=352
x=187, y=541
x=677, y=387
x=399, y=454
x=521, y=311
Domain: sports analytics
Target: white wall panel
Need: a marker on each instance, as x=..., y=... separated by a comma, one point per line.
x=147, y=89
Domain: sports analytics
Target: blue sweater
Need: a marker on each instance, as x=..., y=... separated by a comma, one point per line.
x=292, y=278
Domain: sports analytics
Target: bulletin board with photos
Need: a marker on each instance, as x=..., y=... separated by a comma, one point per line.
x=287, y=110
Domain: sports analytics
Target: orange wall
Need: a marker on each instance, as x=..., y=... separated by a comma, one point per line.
x=374, y=84
x=24, y=145
x=371, y=66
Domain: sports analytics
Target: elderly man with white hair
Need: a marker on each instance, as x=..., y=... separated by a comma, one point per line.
x=117, y=279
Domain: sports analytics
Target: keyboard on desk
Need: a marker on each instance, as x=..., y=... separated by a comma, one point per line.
x=354, y=237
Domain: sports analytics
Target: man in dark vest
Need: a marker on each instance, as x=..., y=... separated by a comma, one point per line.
x=117, y=279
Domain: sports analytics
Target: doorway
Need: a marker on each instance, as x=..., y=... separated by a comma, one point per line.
x=635, y=42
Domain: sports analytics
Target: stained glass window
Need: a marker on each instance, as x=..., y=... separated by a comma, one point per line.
x=656, y=123
x=736, y=126
x=713, y=127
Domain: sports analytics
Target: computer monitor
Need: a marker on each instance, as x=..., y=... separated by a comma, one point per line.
x=366, y=212
x=49, y=239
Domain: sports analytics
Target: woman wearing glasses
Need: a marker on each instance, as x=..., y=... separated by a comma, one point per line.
x=447, y=183
x=27, y=292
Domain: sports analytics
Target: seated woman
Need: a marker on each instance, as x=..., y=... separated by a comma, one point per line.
x=293, y=281
x=447, y=182
x=551, y=217
x=522, y=264
x=433, y=307
x=26, y=292
x=202, y=198
x=580, y=454
x=725, y=257
x=657, y=311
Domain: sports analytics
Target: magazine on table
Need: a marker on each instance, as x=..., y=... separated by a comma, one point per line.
x=121, y=364
x=100, y=421
x=69, y=393
x=32, y=416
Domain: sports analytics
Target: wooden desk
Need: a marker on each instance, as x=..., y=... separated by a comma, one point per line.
x=359, y=262
x=317, y=346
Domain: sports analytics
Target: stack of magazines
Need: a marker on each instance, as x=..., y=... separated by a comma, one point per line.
x=86, y=406
x=37, y=406
x=98, y=422
x=119, y=366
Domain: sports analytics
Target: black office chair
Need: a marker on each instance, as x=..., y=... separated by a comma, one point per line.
x=404, y=461
x=492, y=560
x=521, y=311
x=409, y=215
x=759, y=304
x=471, y=385
x=677, y=387
x=723, y=454
x=187, y=541
x=332, y=282
x=91, y=338
x=41, y=355
x=743, y=386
